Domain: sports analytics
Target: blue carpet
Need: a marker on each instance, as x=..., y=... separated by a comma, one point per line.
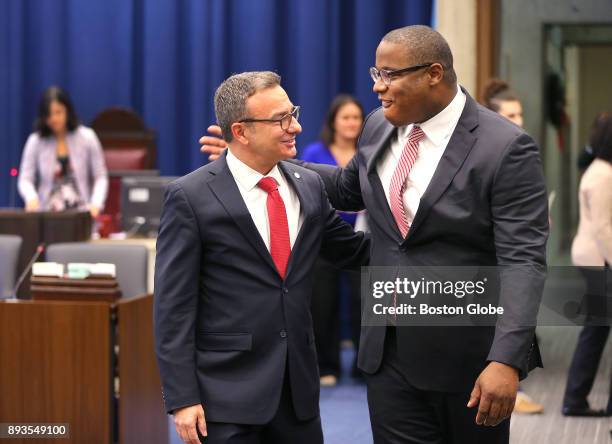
x=344, y=409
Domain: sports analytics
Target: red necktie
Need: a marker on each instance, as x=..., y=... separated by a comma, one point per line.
x=280, y=245
x=398, y=180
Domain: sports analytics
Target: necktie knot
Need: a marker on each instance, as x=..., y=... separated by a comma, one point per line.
x=416, y=134
x=268, y=184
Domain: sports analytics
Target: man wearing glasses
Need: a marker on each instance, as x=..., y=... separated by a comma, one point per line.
x=237, y=243
x=446, y=183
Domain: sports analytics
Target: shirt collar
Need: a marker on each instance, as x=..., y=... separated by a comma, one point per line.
x=438, y=127
x=246, y=176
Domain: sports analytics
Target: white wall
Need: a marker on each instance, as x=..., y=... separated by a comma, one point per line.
x=456, y=21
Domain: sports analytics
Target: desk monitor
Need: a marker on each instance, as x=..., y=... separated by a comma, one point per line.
x=141, y=203
x=140, y=173
x=113, y=198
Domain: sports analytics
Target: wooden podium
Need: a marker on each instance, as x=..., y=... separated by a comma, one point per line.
x=64, y=289
x=84, y=360
x=44, y=226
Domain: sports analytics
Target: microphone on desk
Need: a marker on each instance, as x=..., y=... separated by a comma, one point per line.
x=39, y=250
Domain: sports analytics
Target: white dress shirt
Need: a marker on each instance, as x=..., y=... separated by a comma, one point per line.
x=255, y=198
x=438, y=131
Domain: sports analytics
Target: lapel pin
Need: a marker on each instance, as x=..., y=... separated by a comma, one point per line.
x=297, y=175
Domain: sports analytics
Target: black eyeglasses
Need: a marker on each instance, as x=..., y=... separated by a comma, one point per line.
x=285, y=121
x=385, y=75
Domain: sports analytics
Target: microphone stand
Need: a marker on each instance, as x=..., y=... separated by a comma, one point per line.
x=39, y=250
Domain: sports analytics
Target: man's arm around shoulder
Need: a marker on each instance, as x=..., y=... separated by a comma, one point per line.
x=342, y=245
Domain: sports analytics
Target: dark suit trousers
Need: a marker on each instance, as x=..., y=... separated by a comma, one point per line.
x=591, y=342
x=326, y=314
x=284, y=427
x=401, y=413
x=582, y=372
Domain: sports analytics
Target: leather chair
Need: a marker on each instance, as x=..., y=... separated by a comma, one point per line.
x=128, y=145
x=131, y=261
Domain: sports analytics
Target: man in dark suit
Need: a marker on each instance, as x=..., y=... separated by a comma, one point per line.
x=471, y=192
x=446, y=183
x=237, y=243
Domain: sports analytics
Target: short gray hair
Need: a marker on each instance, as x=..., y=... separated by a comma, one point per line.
x=231, y=97
x=426, y=45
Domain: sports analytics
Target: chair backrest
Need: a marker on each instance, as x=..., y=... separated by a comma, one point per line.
x=131, y=261
x=127, y=142
x=10, y=247
x=128, y=145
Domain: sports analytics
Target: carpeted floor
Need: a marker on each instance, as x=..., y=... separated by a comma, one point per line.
x=344, y=410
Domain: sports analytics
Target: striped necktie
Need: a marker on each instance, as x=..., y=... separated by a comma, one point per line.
x=398, y=180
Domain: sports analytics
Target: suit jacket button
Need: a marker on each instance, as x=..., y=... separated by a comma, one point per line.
x=283, y=334
x=285, y=290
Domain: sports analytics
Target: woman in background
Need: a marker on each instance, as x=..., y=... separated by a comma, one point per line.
x=62, y=166
x=592, y=253
x=337, y=146
x=500, y=98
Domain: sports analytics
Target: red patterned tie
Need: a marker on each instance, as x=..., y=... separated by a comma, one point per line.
x=398, y=181
x=280, y=245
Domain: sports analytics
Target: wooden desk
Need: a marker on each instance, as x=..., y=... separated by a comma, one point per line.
x=64, y=289
x=89, y=364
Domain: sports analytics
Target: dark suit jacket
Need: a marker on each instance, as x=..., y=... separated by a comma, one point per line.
x=226, y=323
x=485, y=205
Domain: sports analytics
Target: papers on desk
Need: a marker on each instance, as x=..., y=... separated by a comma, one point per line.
x=75, y=270
x=48, y=269
x=82, y=270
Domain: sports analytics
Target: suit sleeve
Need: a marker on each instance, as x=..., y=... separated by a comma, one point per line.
x=177, y=268
x=342, y=184
x=519, y=211
x=342, y=246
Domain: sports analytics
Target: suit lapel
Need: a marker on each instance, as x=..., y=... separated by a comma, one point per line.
x=226, y=190
x=458, y=148
x=373, y=154
x=307, y=205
